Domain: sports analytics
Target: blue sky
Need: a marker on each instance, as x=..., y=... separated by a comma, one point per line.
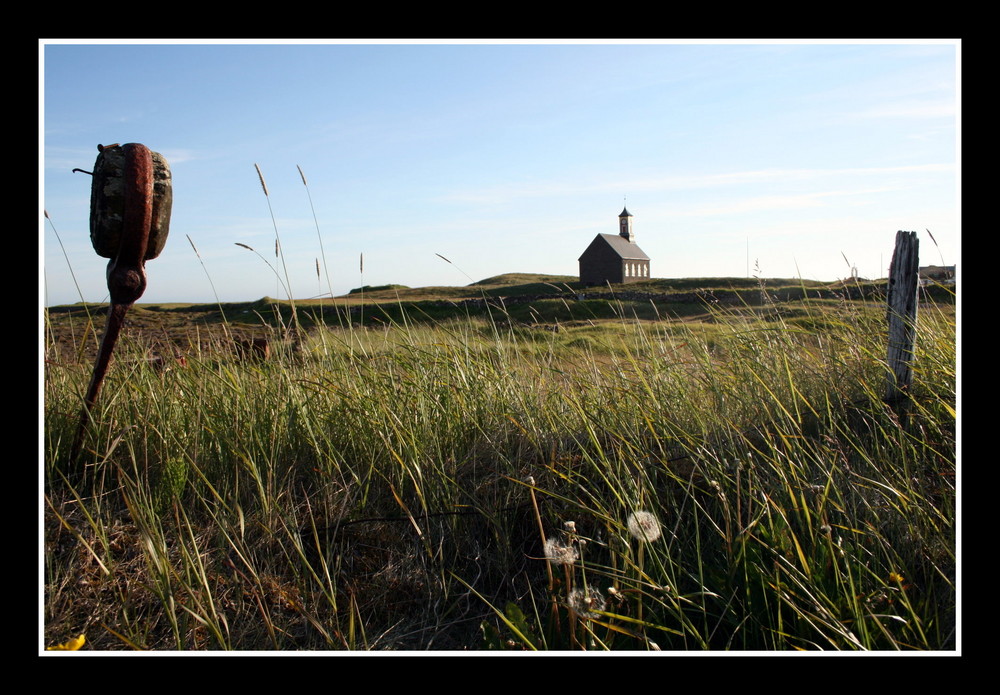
x=778, y=159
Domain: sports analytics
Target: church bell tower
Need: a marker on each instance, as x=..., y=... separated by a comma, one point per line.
x=625, y=225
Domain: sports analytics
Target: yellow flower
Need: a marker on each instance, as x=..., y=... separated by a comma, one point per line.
x=70, y=646
x=896, y=577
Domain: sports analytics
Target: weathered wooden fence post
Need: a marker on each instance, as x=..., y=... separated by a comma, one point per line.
x=902, y=317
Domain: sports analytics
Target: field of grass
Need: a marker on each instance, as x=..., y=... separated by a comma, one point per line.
x=558, y=473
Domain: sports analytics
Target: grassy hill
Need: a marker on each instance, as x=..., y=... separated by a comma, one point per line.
x=516, y=298
x=557, y=473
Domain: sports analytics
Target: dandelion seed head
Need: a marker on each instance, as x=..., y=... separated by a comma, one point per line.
x=560, y=553
x=585, y=602
x=644, y=526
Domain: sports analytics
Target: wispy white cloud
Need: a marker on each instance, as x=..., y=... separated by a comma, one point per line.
x=507, y=193
x=776, y=176
x=69, y=158
x=907, y=109
x=178, y=156
x=773, y=203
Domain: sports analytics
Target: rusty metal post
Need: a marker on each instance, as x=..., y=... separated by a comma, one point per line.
x=131, y=199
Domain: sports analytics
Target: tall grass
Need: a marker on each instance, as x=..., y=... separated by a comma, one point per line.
x=733, y=482
x=392, y=490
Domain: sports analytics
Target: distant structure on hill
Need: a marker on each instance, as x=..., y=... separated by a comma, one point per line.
x=940, y=274
x=614, y=258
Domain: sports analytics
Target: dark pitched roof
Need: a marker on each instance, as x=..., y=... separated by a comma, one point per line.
x=626, y=213
x=621, y=246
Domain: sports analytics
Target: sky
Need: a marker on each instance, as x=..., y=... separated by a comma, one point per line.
x=736, y=159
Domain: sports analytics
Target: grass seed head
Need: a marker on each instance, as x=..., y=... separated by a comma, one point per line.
x=260, y=175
